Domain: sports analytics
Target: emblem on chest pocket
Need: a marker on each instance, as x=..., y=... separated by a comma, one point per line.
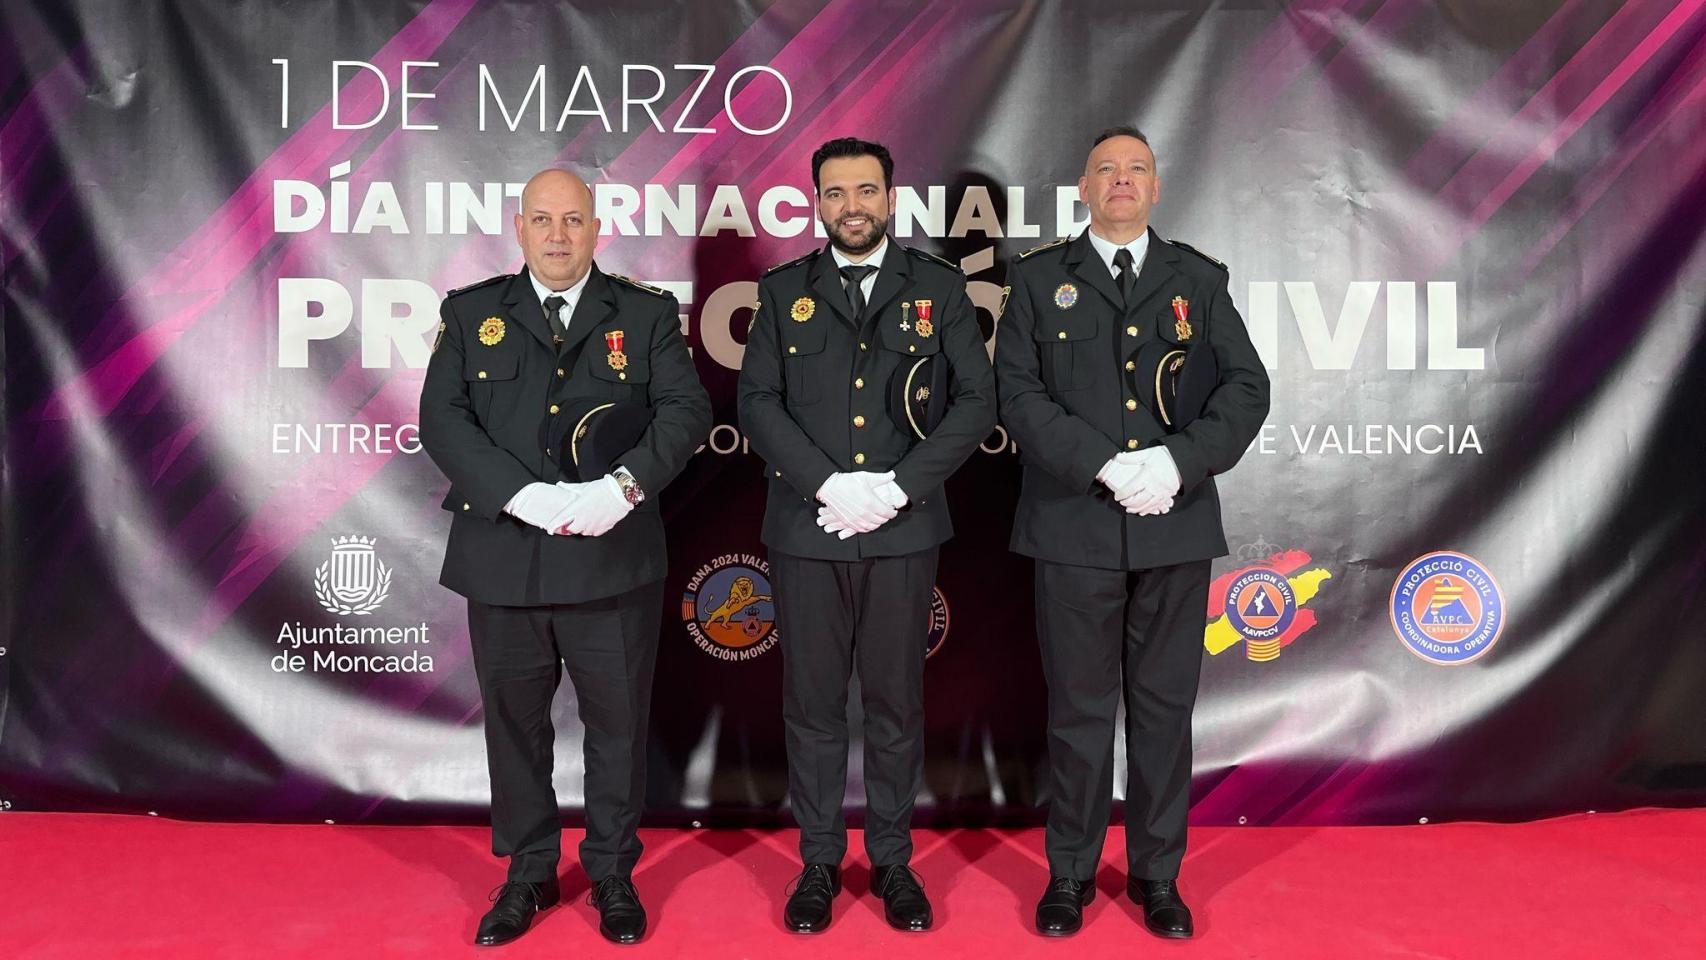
x=1066, y=296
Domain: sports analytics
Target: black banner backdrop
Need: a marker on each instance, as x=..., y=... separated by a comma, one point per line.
x=1466, y=237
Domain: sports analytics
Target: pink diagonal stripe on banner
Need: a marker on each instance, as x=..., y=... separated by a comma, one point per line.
x=1294, y=40
x=877, y=86
x=1517, y=133
x=1561, y=132
x=28, y=128
x=1544, y=150
x=729, y=153
x=1462, y=132
x=224, y=245
x=1658, y=113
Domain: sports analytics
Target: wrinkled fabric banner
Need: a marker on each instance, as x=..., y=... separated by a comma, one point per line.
x=1466, y=237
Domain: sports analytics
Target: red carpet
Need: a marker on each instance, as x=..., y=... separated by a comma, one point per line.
x=1611, y=885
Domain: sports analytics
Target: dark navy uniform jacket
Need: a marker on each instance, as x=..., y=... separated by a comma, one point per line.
x=495, y=392
x=814, y=396
x=1072, y=396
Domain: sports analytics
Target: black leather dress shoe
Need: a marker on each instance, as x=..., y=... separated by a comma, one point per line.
x=1164, y=911
x=514, y=905
x=905, y=906
x=620, y=917
x=1061, y=910
x=808, y=908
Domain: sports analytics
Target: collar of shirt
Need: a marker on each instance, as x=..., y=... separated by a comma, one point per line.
x=1107, y=248
x=874, y=260
x=570, y=296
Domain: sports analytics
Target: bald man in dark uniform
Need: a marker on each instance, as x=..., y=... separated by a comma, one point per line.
x=560, y=571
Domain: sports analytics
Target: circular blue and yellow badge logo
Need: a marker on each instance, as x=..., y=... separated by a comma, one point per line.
x=938, y=633
x=1261, y=606
x=1447, y=609
x=729, y=610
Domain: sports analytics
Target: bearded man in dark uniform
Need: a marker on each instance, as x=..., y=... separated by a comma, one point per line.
x=865, y=385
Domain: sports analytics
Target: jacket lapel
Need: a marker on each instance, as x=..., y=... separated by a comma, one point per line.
x=1158, y=269
x=891, y=280
x=526, y=310
x=1087, y=266
x=595, y=306
x=826, y=283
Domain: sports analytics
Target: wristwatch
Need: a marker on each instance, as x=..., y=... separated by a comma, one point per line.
x=630, y=486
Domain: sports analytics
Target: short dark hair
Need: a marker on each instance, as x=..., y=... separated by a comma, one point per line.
x=1123, y=130
x=853, y=147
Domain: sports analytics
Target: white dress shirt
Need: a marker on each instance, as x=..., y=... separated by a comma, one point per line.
x=1107, y=248
x=570, y=296
x=874, y=260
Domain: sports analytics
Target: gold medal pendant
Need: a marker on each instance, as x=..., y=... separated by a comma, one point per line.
x=1181, y=313
x=616, y=358
x=924, y=326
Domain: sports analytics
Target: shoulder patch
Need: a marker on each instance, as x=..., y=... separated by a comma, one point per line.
x=478, y=284
x=1039, y=249
x=630, y=281
x=1182, y=245
x=791, y=263
x=637, y=285
x=931, y=257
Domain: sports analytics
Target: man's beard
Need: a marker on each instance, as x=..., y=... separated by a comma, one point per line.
x=846, y=244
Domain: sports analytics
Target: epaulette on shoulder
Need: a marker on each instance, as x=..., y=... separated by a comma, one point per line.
x=932, y=258
x=1182, y=245
x=478, y=284
x=630, y=281
x=791, y=263
x=1039, y=249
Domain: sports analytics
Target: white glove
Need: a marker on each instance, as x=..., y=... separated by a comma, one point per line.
x=853, y=501
x=1143, y=481
x=889, y=492
x=1157, y=481
x=892, y=494
x=543, y=505
x=1161, y=471
x=1122, y=477
x=826, y=520
x=598, y=505
x=1146, y=503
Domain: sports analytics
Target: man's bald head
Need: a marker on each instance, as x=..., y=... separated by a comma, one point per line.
x=556, y=229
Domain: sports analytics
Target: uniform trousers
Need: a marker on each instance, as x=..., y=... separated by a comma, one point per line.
x=871, y=615
x=609, y=647
x=1108, y=634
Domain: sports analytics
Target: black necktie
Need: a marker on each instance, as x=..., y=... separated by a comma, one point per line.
x=854, y=277
x=1128, y=279
x=554, y=317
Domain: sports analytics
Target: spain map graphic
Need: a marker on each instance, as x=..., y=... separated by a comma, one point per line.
x=1221, y=634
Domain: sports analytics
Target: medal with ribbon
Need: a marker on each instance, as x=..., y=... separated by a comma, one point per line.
x=1181, y=314
x=616, y=358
